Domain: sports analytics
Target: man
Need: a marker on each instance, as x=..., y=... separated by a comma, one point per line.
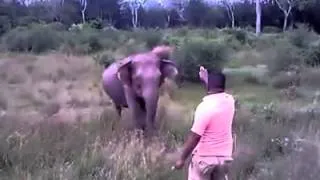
x=210, y=140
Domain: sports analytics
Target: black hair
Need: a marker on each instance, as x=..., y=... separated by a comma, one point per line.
x=216, y=81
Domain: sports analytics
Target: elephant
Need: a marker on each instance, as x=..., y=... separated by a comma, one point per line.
x=134, y=83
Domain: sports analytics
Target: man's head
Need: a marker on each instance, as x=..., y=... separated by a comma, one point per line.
x=216, y=82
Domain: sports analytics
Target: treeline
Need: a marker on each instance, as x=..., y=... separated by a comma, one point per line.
x=128, y=14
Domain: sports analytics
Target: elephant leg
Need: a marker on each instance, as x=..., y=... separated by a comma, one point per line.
x=141, y=113
x=119, y=110
x=140, y=118
x=138, y=114
x=151, y=110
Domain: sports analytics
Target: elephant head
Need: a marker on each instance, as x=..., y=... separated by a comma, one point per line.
x=143, y=74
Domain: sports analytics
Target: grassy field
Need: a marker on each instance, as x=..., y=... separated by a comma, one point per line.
x=57, y=123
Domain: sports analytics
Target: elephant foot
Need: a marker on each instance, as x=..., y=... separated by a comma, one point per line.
x=119, y=110
x=150, y=131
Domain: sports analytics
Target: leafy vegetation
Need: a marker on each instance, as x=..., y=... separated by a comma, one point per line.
x=57, y=123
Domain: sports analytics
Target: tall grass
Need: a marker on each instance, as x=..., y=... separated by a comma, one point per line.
x=57, y=123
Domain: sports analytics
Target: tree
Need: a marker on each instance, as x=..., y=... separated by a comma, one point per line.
x=111, y=11
x=134, y=6
x=165, y=4
x=196, y=12
x=258, y=17
x=286, y=7
x=83, y=10
x=180, y=6
x=230, y=9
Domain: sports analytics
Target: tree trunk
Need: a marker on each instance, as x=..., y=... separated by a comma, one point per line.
x=83, y=16
x=285, y=22
x=151, y=104
x=168, y=21
x=232, y=20
x=258, y=17
x=291, y=21
x=83, y=12
x=134, y=18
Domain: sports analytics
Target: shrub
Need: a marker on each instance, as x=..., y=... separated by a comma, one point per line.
x=282, y=57
x=271, y=29
x=150, y=37
x=84, y=41
x=173, y=40
x=5, y=24
x=195, y=52
x=313, y=56
x=104, y=59
x=239, y=34
x=310, y=77
x=265, y=41
x=96, y=24
x=27, y=20
x=255, y=79
x=182, y=31
x=37, y=39
x=250, y=29
x=300, y=37
x=285, y=80
x=57, y=26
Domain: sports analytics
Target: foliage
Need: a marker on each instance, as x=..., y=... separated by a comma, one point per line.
x=36, y=38
x=238, y=34
x=285, y=80
x=271, y=29
x=152, y=38
x=198, y=51
x=121, y=14
x=313, y=56
x=283, y=56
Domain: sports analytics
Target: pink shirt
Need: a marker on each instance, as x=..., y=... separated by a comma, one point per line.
x=213, y=121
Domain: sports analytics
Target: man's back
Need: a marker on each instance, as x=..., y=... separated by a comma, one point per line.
x=213, y=121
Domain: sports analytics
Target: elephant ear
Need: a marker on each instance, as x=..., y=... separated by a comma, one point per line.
x=168, y=69
x=124, y=71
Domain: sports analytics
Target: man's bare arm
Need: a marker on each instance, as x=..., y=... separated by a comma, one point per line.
x=189, y=145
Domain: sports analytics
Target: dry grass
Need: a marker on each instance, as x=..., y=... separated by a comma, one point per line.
x=56, y=123
x=54, y=86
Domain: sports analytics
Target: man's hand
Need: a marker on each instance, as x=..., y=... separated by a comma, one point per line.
x=179, y=164
x=188, y=147
x=203, y=74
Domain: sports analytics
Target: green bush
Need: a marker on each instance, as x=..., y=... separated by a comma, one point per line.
x=282, y=57
x=84, y=41
x=300, y=37
x=198, y=51
x=182, y=31
x=239, y=34
x=5, y=24
x=57, y=26
x=266, y=136
x=104, y=59
x=313, y=56
x=27, y=20
x=271, y=29
x=151, y=38
x=310, y=78
x=285, y=80
x=36, y=38
x=96, y=24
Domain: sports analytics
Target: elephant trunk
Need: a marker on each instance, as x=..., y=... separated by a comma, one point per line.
x=151, y=97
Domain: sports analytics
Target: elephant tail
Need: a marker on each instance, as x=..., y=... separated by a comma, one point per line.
x=163, y=52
